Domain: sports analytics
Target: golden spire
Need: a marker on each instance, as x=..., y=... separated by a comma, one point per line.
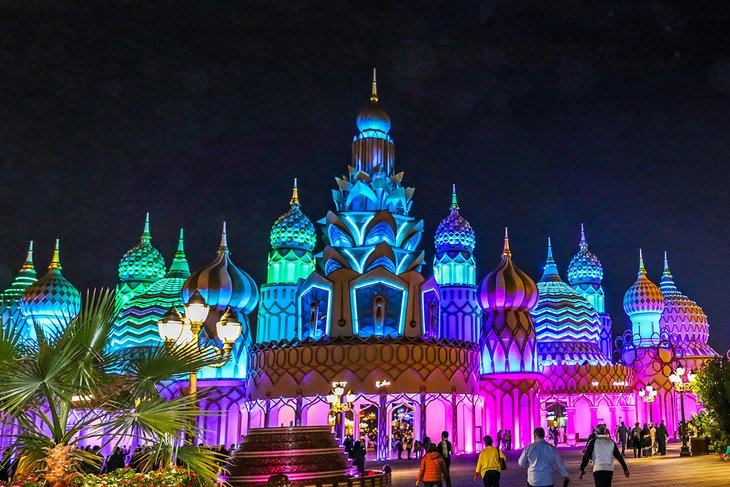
x=374, y=92
x=506, y=251
x=294, y=194
x=56, y=261
x=642, y=269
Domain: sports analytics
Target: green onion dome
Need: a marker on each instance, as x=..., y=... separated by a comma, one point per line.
x=142, y=262
x=25, y=278
x=293, y=230
x=51, y=300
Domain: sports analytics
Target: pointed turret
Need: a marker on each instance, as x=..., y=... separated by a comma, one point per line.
x=644, y=303
x=550, y=271
x=26, y=276
x=293, y=230
x=454, y=233
x=179, y=266
x=584, y=267
x=141, y=265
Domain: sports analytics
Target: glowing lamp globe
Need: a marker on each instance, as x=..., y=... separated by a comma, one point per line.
x=229, y=328
x=680, y=371
x=196, y=310
x=170, y=326
x=186, y=335
x=350, y=397
x=339, y=389
x=674, y=378
x=691, y=375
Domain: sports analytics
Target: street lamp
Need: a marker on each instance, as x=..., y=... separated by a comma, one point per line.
x=177, y=330
x=682, y=383
x=340, y=404
x=648, y=395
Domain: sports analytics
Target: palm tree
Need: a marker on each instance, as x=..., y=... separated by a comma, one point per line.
x=67, y=387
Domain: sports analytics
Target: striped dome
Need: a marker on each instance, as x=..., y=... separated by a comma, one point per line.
x=584, y=268
x=223, y=284
x=293, y=230
x=566, y=325
x=454, y=232
x=682, y=318
x=643, y=296
x=51, y=299
x=25, y=278
x=507, y=287
x=142, y=262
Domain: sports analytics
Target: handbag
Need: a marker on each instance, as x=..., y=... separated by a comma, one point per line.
x=502, y=463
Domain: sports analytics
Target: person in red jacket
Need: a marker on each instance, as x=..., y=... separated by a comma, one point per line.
x=433, y=468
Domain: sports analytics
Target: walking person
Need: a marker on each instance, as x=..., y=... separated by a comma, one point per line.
x=646, y=440
x=661, y=438
x=602, y=450
x=409, y=445
x=357, y=454
x=652, y=433
x=499, y=439
x=636, y=439
x=541, y=459
x=489, y=464
x=508, y=440
x=433, y=468
x=621, y=435
x=445, y=449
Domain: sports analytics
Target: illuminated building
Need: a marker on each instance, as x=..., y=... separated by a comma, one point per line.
x=10, y=298
x=450, y=351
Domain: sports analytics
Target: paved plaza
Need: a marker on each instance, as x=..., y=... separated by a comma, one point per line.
x=659, y=471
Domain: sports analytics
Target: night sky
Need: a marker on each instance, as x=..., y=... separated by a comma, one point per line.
x=611, y=113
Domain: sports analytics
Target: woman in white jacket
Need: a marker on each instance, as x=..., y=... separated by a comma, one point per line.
x=602, y=450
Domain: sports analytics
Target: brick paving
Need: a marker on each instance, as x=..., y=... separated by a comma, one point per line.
x=665, y=471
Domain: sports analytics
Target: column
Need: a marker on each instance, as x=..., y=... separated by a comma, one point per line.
x=614, y=419
x=570, y=423
x=454, y=422
x=267, y=410
x=594, y=416
x=298, y=409
x=543, y=415
x=383, y=447
x=422, y=412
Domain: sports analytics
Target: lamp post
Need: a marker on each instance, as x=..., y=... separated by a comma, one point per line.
x=340, y=403
x=683, y=383
x=177, y=330
x=648, y=395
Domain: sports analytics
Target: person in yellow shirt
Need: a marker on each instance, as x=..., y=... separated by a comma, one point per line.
x=489, y=465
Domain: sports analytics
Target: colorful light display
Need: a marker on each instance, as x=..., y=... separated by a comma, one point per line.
x=468, y=358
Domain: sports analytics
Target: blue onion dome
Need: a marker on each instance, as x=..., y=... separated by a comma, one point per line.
x=222, y=284
x=293, y=230
x=51, y=297
x=454, y=232
x=561, y=313
x=25, y=278
x=643, y=296
x=682, y=317
x=507, y=287
x=142, y=262
x=584, y=267
x=373, y=117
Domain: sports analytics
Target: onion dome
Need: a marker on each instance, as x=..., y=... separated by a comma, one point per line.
x=293, y=230
x=222, y=284
x=562, y=315
x=682, y=317
x=454, y=232
x=51, y=298
x=142, y=262
x=507, y=287
x=25, y=278
x=643, y=296
x=584, y=267
x=373, y=117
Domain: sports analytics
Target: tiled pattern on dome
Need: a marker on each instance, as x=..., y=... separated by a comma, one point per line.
x=51, y=297
x=293, y=230
x=454, y=233
x=142, y=262
x=585, y=267
x=569, y=353
x=643, y=296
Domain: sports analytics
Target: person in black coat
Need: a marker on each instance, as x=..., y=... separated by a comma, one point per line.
x=357, y=454
x=646, y=440
x=661, y=438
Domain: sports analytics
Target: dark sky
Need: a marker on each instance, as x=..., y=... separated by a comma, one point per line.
x=545, y=115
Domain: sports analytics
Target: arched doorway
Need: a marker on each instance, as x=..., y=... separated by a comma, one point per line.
x=368, y=433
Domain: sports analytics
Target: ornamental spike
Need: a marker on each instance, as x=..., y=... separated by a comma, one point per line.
x=146, y=233
x=550, y=258
x=224, y=240
x=374, y=92
x=28, y=264
x=56, y=260
x=506, y=252
x=454, y=202
x=642, y=269
x=180, y=253
x=583, y=242
x=294, y=193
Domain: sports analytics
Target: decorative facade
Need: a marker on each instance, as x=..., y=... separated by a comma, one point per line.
x=421, y=353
